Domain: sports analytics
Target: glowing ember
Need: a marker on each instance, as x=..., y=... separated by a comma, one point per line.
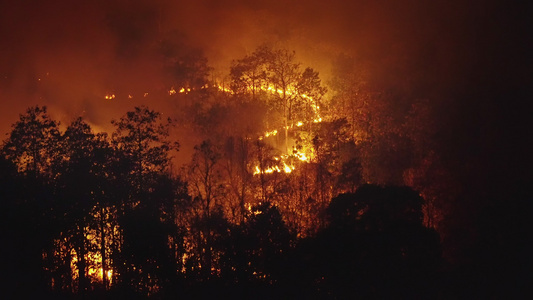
x=302, y=156
x=269, y=133
x=287, y=169
x=283, y=168
x=224, y=89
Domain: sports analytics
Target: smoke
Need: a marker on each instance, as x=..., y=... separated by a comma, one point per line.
x=69, y=55
x=470, y=60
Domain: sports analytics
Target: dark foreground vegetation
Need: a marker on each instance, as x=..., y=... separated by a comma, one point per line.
x=77, y=205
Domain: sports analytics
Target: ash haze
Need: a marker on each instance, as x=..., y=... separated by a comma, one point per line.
x=464, y=57
x=469, y=61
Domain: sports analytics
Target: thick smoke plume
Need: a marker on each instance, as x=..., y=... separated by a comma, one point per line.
x=468, y=59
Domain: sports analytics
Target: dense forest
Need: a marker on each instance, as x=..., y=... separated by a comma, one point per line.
x=295, y=189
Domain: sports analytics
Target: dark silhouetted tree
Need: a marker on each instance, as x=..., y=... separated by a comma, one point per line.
x=204, y=176
x=374, y=246
x=270, y=238
x=32, y=147
x=142, y=137
x=143, y=152
x=33, y=141
x=83, y=189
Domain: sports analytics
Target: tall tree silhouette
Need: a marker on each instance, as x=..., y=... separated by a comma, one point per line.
x=23, y=235
x=143, y=149
x=32, y=141
x=31, y=147
x=83, y=192
x=375, y=246
x=270, y=238
x=142, y=137
x=205, y=184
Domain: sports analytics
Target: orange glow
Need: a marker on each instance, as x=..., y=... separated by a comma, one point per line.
x=303, y=156
x=110, y=96
x=269, y=133
x=93, y=257
x=283, y=167
x=287, y=169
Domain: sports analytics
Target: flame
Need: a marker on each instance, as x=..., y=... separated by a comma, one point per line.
x=273, y=132
x=95, y=259
x=257, y=170
x=95, y=271
x=224, y=89
x=301, y=156
x=94, y=262
x=283, y=167
x=269, y=133
x=290, y=91
x=268, y=170
x=110, y=96
x=100, y=274
x=287, y=169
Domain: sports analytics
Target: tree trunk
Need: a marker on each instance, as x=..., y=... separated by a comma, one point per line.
x=82, y=263
x=103, y=246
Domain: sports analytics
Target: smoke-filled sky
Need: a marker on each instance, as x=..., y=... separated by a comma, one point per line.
x=465, y=56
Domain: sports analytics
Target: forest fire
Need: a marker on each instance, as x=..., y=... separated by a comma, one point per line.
x=94, y=272
x=315, y=117
x=283, y=167
x=327, y=150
